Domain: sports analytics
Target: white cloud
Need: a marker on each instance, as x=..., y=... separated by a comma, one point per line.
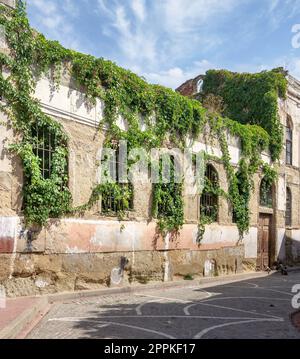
x=138, y=7
x=45, y=7
x=279, y=11
x=154, y=38
x=183, y=16
x=175, y=76
x=137, y=44
x=161, y=39
x=53, y=18
x=70, y=7
x=292, y=64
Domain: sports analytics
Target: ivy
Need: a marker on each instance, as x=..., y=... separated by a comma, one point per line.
x=167, y=204
x=43, y=198
x=250, y=100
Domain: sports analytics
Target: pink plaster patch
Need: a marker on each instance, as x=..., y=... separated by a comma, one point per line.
x=6, y=245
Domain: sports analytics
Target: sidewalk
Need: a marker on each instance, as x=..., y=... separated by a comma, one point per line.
x=22, y=314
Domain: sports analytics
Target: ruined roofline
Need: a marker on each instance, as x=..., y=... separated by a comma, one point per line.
x=9, y=3
x=293, y=86
x=189, y=87
x=190, y=81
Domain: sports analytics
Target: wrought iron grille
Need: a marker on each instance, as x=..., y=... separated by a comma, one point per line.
x=110, y=204
x=288, y=210
x=289, y=143
x=44, y=147
x=266, y=194
x=209, y=197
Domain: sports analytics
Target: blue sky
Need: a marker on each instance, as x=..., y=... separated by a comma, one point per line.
x=171, y=41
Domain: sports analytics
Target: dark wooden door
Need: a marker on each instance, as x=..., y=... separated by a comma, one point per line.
x=263, y=243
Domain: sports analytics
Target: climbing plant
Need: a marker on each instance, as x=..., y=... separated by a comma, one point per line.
x=251, y=99
x=168, y=116
x=43, y=198
x=167, y=203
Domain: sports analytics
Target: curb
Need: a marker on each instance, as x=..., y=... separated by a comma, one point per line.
x=27, y=328
x=164, y=285
x=15, y=327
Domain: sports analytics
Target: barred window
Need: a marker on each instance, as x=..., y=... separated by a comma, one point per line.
x=244, y=196
x=166, y=204
x=209, y=197
x=266, y=194
x=289, y=142
x=44, y=147
x=288, y=210
x=119, y=198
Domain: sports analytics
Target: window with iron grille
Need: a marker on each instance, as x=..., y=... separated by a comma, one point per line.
x=44, y=148
x=234, y=214
x=289, y=142
x=266, y=194
x=244, y=191
x=111, y=202
x=288, y=210
x=209, y=197
x=165, y=207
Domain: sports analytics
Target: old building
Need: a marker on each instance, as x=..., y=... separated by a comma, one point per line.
x=281, y=220
x=89, y=249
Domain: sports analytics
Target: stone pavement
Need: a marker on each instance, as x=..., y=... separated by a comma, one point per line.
x=251, y=308
x=18, y=316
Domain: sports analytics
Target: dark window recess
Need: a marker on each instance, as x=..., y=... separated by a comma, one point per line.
x=244, y=197
x=110, y=204
x=44, y=147
x=288, y=210
x=165, y=207
x=289, y=143
x=209, y=199
x=266, y=194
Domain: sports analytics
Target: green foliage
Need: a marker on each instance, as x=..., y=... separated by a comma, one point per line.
x=266, y=186
x=43, y=198
x=188, y=276
x=121, y=193
x=251, y=100
x=167, y=205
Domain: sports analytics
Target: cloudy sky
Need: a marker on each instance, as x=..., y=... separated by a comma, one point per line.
x=171, y=41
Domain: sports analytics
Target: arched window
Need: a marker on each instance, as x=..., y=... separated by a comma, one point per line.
x=120, y=198
x=199, y=85
x=289, y=141
x=209, y=197
x=244, y=194
x=44, y=146
x=266, y=194
x=288, y=209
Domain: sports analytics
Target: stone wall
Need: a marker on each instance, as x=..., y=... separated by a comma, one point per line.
x=37, y=273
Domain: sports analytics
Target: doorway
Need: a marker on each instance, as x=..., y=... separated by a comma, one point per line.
x=264, y=241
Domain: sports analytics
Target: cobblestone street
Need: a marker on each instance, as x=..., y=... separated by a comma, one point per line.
x=255, y=308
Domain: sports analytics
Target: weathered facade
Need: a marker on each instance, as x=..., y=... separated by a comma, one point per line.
x=284, y=217
x=82, y=252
